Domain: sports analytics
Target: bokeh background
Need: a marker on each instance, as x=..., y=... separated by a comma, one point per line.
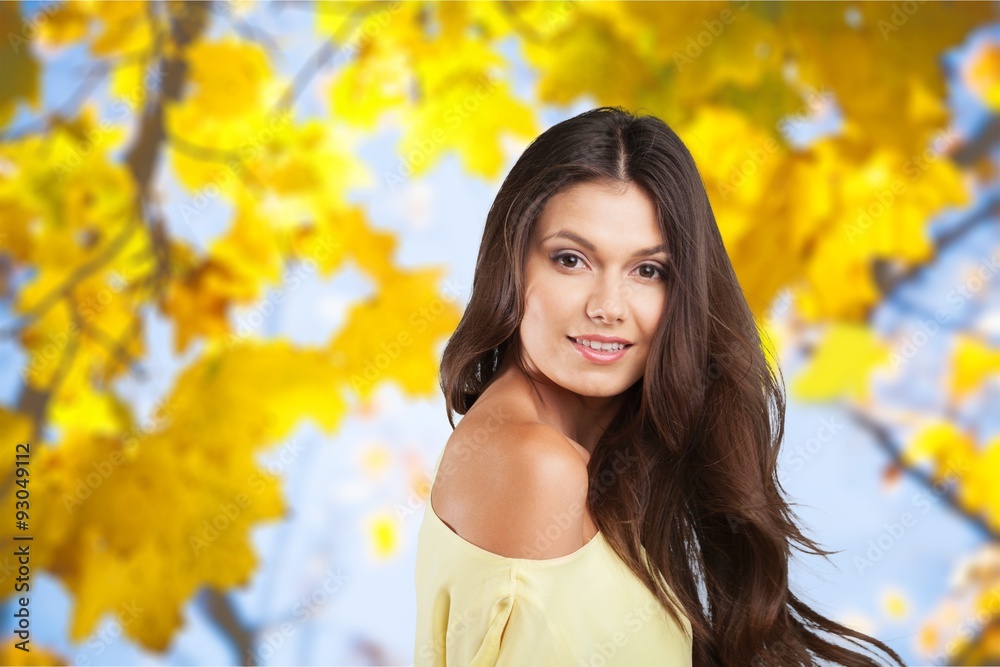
x=235, y=236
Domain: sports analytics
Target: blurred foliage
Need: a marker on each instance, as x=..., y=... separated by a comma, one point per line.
x=127, y=508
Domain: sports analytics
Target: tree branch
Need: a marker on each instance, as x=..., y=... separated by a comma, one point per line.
x=891, y=282
x=317, y=61
x=78, y=274
x=222, y=610
x=522, y=27
x=117, y=348
x=885, y=441
x=250, y=32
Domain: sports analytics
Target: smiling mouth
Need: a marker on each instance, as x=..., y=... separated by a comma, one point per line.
x=624, y=346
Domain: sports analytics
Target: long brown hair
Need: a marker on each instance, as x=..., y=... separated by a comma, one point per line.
x=702, y=427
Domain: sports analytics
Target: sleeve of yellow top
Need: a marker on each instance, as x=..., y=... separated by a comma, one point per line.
x=489, y=650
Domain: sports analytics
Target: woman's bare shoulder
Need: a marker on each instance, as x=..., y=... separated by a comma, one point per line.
x=503, y=478
x=502, y=430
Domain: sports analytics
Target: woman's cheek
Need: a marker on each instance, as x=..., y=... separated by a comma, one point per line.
x=555, y=295
x=651, y=309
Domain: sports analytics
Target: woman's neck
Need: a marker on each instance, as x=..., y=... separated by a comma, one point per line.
x=583, y=419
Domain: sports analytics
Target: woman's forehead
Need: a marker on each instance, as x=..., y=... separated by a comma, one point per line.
x=600, y=216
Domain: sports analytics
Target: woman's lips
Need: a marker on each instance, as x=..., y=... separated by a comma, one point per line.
x=599, y=356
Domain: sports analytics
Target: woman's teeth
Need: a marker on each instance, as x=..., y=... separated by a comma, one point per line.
x=606, y=347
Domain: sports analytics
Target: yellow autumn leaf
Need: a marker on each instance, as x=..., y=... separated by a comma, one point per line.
x=131, y=85
x=986, y=601
x=312, y=162
x=981, y=73
x=841, y=364
x=469, y=113
x=366, y=88
x=302, y=383
x=83, y=408
x=227, y=77
x=196, y=306
x=979, y=490
x=935, y=442
x=67, y=22
x=394, y=335
x=125, y=27
x=973, y=363
x=740, y=161
x=371, y=249
x=873, y=41
x=591, y=49
x=248, y=251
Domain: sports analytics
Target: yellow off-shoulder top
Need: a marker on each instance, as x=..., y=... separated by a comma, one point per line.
x=476, y=608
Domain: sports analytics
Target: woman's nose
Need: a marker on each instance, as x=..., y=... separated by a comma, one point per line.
x=607, y=301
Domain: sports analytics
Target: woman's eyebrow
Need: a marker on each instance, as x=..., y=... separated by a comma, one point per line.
x=652, y=250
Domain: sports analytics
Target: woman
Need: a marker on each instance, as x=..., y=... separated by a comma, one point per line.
x=610, y=495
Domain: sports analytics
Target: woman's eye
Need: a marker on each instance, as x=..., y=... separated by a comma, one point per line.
x=566, y=256
x=656, y=271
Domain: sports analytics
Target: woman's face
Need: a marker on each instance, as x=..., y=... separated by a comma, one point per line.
x=596, y=266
